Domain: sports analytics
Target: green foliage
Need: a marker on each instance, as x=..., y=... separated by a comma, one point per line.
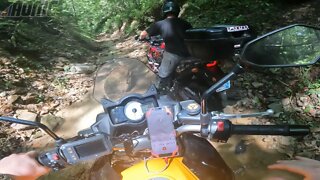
x=314, y=87
x=60, y=82
x=7, y=85
x=306, y=84
x=40, y=97
x=96, y=16
x=22, y=61
x=257, y=13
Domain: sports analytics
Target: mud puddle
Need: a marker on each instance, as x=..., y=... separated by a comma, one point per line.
x=252, y=164
x=249, y=156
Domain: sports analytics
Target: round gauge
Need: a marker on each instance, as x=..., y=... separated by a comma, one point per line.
x=133, y=111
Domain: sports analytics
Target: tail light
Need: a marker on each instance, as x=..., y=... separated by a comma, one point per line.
x=212, y=64
x=162, y=46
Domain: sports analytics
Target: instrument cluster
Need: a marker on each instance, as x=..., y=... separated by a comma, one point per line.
x=131, y=111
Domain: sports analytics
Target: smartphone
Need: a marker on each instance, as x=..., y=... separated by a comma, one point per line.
x=162, y=132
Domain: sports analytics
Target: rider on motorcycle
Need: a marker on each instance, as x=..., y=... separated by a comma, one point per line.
x=172, y=29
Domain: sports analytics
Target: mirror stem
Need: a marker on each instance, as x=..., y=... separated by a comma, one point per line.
x=205, y=117
x=235, y=71
x=34, y=124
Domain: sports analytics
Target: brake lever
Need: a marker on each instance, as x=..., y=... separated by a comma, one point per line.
x=219, y=116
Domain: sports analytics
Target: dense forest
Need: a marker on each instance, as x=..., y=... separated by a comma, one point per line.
x=31, y=27
x=94, y=17
x=84, y=20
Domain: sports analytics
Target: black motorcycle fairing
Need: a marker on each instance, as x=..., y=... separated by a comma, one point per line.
x=114, y=122
x=151, y=95
x=203, y=159
x=104, y=124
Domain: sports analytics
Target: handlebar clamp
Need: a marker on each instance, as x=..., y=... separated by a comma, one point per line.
x=220, y=130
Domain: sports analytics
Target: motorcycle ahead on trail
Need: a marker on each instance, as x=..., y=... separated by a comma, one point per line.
x=209, y=47
x=167, y=139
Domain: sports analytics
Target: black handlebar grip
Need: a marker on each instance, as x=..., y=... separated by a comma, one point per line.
x=284, y=130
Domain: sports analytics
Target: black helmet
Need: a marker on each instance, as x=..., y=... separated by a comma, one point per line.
x=170, y=7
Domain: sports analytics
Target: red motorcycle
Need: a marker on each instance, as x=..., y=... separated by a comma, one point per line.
x=194, y=75
x=155, y=53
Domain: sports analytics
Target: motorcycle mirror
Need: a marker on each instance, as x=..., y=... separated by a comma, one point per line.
x=34, y=124
x=294, y=45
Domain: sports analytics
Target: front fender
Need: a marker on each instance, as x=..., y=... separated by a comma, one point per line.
x=203, y=159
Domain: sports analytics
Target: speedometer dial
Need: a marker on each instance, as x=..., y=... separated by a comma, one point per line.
x=133, y=111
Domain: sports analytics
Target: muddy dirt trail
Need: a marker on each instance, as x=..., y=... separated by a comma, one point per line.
x=63, y=93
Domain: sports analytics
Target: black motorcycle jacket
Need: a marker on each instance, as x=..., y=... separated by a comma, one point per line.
x=172, y=31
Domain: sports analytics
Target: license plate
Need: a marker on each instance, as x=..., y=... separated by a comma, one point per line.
x=237, y=28
x=224, y=87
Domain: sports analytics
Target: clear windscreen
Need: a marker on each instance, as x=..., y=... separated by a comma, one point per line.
x=117, y=78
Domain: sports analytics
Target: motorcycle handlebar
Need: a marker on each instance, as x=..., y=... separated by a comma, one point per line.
x=150, y=40
x=218, y=130
x=137, y=38
x=223, y=129
x=284, y=130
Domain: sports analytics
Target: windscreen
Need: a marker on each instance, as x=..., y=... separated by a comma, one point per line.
x=117, y=78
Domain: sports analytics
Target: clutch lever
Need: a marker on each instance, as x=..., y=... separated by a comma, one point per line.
x=219, y=116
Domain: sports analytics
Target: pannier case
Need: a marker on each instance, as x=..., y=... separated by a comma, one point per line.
x=218, y=42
